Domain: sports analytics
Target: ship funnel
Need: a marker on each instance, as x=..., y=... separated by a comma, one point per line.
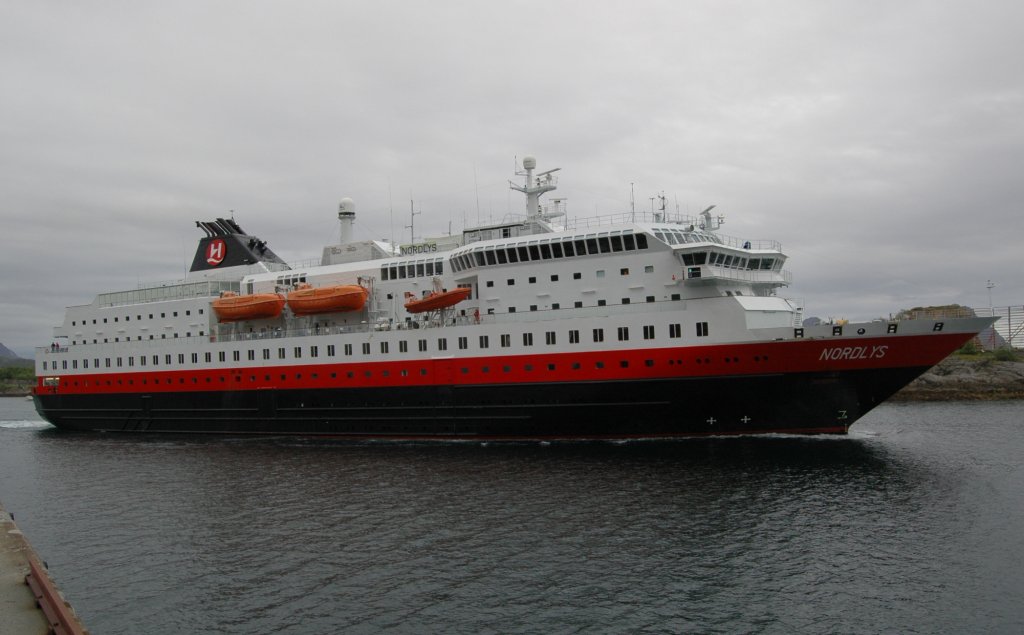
x=347, y=217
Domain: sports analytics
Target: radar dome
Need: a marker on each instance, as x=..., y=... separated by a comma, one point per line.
x=346, y=207
x=529, y=162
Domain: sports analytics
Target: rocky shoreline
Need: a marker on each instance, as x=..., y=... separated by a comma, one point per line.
x=967, y=378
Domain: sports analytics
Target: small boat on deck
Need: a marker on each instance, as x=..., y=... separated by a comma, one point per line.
x=307, y=300
x=231, y=307
x=437, y=300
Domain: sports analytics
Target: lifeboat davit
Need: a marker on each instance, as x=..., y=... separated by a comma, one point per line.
x=307, y=300
x=437, y=300
x=231, y=307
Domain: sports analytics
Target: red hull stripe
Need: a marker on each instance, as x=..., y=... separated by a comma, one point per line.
x=765, y=358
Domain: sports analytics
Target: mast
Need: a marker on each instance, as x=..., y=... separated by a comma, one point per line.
x=534, y=186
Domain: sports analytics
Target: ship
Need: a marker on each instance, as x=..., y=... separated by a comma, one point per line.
x=631, y=325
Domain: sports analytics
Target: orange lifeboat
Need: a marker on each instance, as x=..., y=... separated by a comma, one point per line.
x=437, y=300
x=231, y=307
x=307, y=300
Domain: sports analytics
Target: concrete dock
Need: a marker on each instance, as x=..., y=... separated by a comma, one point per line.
x=29, y=601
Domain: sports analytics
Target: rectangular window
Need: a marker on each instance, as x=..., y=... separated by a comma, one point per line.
x=384, y=348
x=463, y=343
x=422, y=345
x=702, y=329
x=549, y=338
x=235, y=356
x=366, y=348
x=181, y=359
x=348, y=349
x=574, y=337
x=195, y=358
x=598, y=335
x=624, y=271
x=403, y=346
x=330, y=350
x=674, y=330
x=314, y=351
x=483, y=341
x=649, y=332
x=222, y=356
x=280, y=353
x=527, y=339
x=298, y=352
x=442, y=344
x=623, y=333
x=167, y=360
x=506, y=340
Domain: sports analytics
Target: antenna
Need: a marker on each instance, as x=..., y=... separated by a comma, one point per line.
x=412, y=222
x=632, y=204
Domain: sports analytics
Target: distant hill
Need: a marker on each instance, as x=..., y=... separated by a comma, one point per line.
x=8, y=358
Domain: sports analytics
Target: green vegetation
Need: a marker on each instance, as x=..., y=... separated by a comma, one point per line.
x=1005, y=354
x=16, y=381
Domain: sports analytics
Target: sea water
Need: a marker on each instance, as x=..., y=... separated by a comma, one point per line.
x=914, y=522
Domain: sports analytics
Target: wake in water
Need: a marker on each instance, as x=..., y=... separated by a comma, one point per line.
x=24, y=424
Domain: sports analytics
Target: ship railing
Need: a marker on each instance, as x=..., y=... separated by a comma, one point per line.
x=712, y=272
x=170, y=291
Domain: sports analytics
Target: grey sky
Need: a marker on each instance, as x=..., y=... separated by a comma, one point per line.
x=881, y=142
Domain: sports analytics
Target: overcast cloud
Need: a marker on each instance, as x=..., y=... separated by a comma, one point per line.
x=882, y=142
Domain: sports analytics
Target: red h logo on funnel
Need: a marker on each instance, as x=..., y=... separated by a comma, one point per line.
x=215, y=252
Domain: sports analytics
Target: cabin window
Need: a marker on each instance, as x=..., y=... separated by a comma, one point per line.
x=641, y=241
x=674, y=331
x=623, y=333
x=403, y=347
x=524, y=254
x=348, y=349
x=556, y=250
x=366, y=348
x=222, y=356
x=506, y=340
x=549, y=338
x=280, y=353
x=534, y=252
x=314, y=351
x=463, y=343
x=298, y=352
x=330, y=350
x=580, y=246
x=625, y=300
x=384, y=348
x=533, y=280
x=527, y=339
x=649, y=332
x=545, y=251
x=512, y=255
x=422, y=344
x=510, y=282
x=574, y=337
x=483, y=341
x=502, y=258
x=628, y=242
x=591, y=246
x=442, y=344
x=702, y=329
x=601, y=302
x=491, y=260
x=616, y=243
x=598, y=335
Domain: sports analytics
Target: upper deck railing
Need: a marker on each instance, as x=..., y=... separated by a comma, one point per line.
x=170, y=291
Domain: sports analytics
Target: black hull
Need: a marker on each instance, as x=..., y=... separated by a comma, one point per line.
x=804, y=403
